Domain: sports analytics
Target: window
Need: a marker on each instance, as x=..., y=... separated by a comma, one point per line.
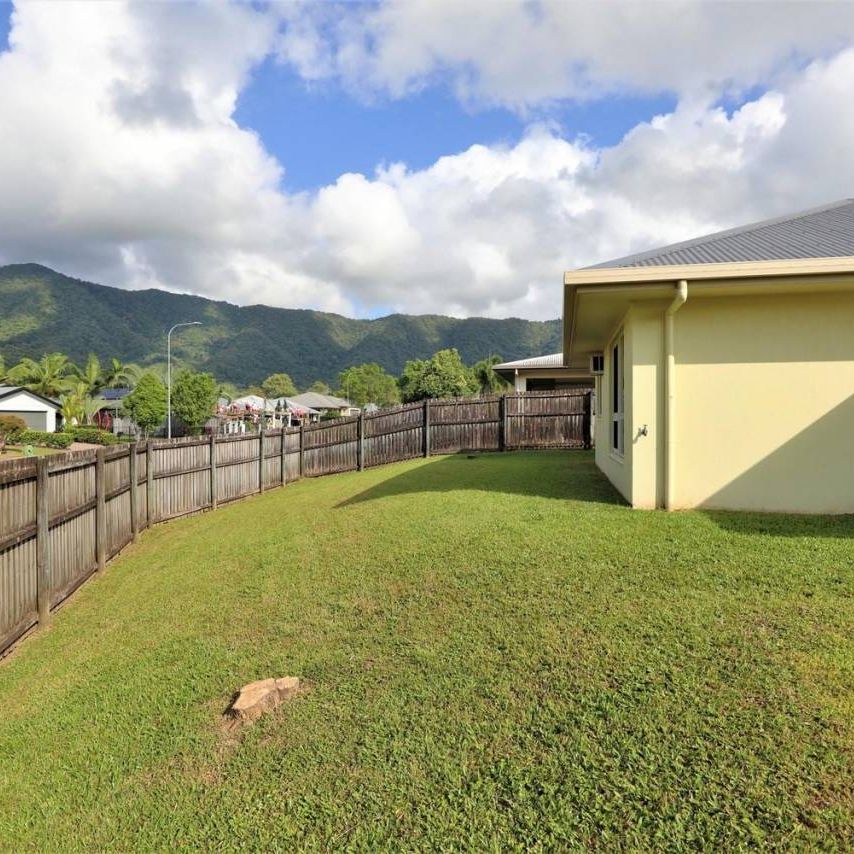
x=617, y=397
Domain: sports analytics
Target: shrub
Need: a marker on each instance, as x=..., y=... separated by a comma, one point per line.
x=42, y=439
x=10, y=424
x=93, y=436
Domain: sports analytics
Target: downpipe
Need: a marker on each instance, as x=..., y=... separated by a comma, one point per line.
x=670, y=391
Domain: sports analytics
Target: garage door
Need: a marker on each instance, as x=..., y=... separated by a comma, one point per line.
x=34, y=420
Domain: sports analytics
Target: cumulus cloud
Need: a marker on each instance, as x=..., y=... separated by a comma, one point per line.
x=519, y=53
x=122, y=161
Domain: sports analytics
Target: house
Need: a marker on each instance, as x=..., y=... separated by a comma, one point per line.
x=543, y=373
x=326, y=404
x=725, y=366
x=109, y=415
x=275, y=412
x=39, y=412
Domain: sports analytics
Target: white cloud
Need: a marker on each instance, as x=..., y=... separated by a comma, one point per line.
x=122, y=162
x=519, y=53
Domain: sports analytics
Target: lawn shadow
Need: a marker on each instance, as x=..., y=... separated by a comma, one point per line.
x=782, y=524
x=565, y=475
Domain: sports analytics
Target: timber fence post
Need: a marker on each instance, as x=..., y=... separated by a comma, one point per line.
x=502, y=423
x=43, y=568
x=149, y=483
x=100, y=509
x=301, y=447
x=212, y=461
x=261, y=459
x=133, y=476
x=283, y=468
x=426, y=427
x=361, y=445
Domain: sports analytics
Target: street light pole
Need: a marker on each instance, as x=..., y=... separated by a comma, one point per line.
x=169, y=373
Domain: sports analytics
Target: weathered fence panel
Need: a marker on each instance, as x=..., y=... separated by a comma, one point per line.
x=394, y=434
x=466, y=424
x=548, y=420
x=53, y=537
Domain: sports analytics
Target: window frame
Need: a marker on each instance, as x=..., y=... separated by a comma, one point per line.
x=617, y=395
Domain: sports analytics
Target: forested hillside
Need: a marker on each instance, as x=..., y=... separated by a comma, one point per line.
x=43, y=311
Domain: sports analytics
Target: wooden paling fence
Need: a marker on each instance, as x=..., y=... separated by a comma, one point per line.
x=63, y=516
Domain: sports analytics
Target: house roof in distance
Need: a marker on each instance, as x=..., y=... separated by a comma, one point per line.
x=9, y=390
x=822, y=232
x=552, y=360
x=321, y=401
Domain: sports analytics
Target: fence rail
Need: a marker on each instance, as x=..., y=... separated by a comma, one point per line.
x=63, y=516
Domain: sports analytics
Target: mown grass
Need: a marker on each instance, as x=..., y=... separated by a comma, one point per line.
x=13, y=452
x=499, y=654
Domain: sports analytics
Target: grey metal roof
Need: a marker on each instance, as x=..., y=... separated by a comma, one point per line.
x=321, y=401
x=822, y=232
x=553, y=360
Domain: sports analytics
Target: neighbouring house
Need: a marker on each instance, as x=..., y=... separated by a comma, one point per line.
x=544, y=373
x=39, y=412
x=109, y=415
x=326, y=404
x=725, y=366
x=253, y=411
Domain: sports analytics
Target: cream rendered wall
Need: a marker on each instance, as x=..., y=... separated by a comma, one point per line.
x=617, y=469
x=638, y=475
x=765, y=403
x=645, y=414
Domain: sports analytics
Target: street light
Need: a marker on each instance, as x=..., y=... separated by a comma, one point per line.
x=169, y=373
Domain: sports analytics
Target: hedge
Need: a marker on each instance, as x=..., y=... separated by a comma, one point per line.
x=93, y=436
x=40, y=438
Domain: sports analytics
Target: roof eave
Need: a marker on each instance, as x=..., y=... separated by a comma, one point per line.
x=649, y=276
x=696, y=272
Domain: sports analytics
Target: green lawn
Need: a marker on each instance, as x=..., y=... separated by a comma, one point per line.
x=13, y=452
x=499, y=654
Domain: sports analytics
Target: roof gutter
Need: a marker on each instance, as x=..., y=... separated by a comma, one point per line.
x=715, y=276
x=670, y=393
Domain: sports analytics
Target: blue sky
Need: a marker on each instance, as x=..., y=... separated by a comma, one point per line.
x=318, y=132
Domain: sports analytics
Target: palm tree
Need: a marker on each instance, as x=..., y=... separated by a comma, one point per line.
x=90, y=375
x=70, y=410
x=91, y=408
x=48, y=376
x=120, y=374
x=485, y=376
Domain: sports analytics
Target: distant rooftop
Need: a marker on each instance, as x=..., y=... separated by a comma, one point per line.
x=8, y=390
x=321, y=401
x=115, y=393
x=553, y=360
x=822, y=232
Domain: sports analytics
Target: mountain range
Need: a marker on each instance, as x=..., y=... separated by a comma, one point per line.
x=43, y=311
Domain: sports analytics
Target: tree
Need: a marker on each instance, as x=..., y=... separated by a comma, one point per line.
x=49, y=376
x=368, y=383
x=278, y=385
x=146, y=404
x=485, y=377
x=194, y=398
x=118, y=374
x=442, y=375
x=227, y=390
x=320, y=387
x=90, y=375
